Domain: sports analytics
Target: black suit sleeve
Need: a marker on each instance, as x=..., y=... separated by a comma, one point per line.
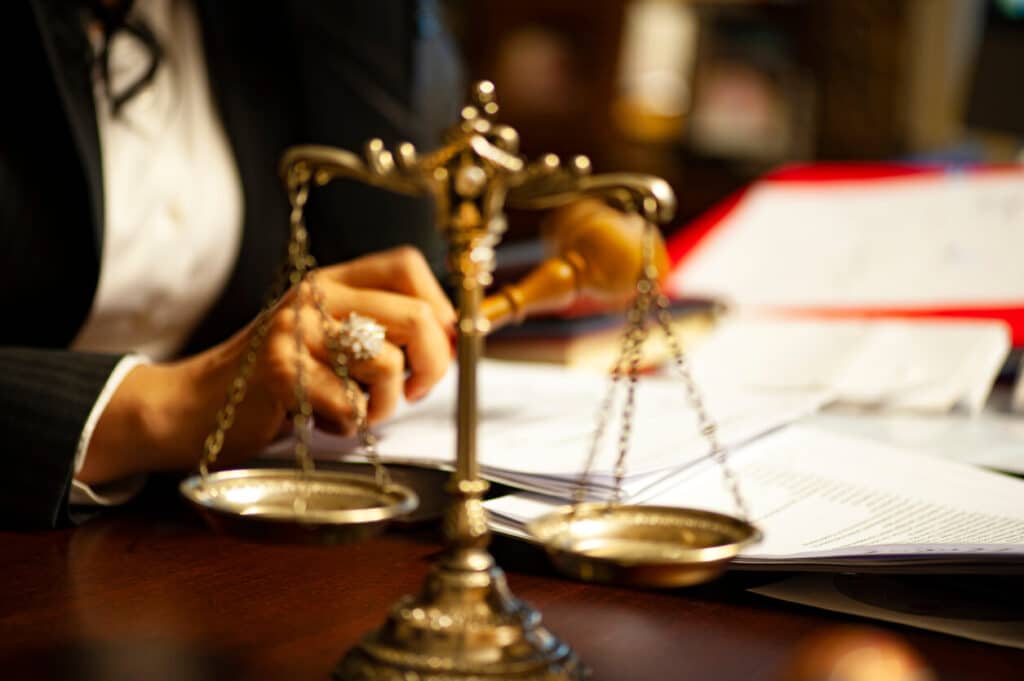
x=49, y=258
x=45, y=399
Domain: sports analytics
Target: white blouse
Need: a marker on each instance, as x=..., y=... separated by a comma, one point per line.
x=171, y=190
x=173, y=208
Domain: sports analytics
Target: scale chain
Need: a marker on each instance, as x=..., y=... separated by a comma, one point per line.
x=603, y=415
x=301, y=262
x=629, y=356
x=638, y=334
x=302, y=420
x=299, y=274
x=339, y=363
x=650, y=299
x=705, y=424
x=214, y=442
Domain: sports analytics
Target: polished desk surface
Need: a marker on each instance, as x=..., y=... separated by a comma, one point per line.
x=147, y=592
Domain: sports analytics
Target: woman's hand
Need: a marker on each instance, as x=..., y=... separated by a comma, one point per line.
x=161, y=414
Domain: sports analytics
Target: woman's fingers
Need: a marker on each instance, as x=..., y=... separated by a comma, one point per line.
x=396, y=288
x=401, y=270
x=410, y=323
x=383, y=376
x=328, y=398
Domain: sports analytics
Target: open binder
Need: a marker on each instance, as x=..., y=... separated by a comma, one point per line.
x=971, y=212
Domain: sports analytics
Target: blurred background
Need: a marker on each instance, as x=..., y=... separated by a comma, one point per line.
x=712, y=94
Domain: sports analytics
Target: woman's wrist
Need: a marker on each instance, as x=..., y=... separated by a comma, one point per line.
x=136, y=432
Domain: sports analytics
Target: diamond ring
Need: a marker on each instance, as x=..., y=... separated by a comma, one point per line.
x=361, y=337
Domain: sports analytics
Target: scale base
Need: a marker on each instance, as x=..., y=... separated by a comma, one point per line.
x=464, y=625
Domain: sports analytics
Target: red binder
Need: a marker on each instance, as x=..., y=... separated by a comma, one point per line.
x=686, y=242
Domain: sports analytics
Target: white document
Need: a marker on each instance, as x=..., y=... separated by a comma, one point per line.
x=828, y=501
x=536, y=424
x=918, y=241
x=982, y=608
x=993, y=438
x=912, y=365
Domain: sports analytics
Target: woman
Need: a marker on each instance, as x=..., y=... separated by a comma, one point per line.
x=142, y=223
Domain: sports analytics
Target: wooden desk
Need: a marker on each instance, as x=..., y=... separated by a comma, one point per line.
x=148, y=593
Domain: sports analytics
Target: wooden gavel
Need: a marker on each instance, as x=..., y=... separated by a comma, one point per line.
x=597, y=252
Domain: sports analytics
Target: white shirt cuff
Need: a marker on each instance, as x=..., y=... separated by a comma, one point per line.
x=118, y=491
x=108, y=494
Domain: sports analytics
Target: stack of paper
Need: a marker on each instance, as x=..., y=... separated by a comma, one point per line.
x=828, y=501
x=537, y=424
x=993, y=438
x=914, y=365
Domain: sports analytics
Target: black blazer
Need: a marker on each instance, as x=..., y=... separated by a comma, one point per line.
x=281, y=73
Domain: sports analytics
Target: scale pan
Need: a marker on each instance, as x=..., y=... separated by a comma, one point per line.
x=289, y=506
x=649, y=546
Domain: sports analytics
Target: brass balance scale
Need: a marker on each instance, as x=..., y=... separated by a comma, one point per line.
x=465, y=623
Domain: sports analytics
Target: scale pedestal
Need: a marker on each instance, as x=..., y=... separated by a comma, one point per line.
x=464, y=624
